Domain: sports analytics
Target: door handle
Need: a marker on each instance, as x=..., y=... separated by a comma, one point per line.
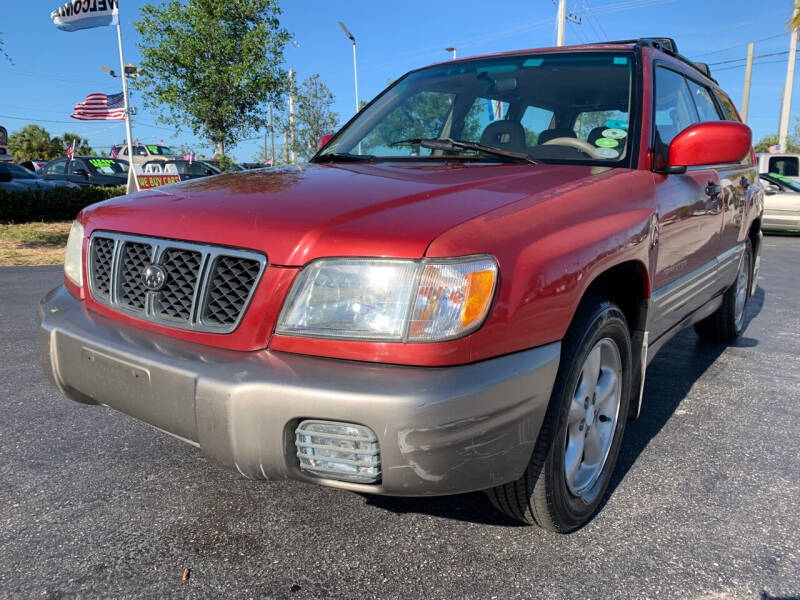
x=744, y=182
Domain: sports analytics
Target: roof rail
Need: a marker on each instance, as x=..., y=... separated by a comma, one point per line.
x=669, y=46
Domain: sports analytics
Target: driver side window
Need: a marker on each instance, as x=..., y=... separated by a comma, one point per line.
x=675, y=109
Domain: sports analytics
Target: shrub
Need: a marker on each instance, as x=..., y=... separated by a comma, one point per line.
x=58, y=204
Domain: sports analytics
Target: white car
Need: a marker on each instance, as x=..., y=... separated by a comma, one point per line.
x=781, y=203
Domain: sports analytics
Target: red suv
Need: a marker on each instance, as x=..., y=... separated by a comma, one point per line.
x=461, y=290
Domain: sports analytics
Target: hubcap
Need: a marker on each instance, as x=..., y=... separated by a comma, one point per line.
x=741, y=291
x=592, y=418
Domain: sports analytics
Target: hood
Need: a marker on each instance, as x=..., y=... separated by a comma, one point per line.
x=297, y=214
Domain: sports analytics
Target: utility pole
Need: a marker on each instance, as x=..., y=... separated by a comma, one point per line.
x=291, y=116
x=562, y=21
x=271, y=138
x=265, y=147
x=786, y=103
x=748, y=74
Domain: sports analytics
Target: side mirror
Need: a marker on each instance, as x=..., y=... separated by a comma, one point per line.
x=81, y=172
x=771, y=188
x=709, y=143
x=323, y=141
x=5, y=176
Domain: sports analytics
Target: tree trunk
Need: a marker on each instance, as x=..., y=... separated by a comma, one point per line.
x=220, y=150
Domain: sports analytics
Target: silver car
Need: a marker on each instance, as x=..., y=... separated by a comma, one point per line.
x=781, y=203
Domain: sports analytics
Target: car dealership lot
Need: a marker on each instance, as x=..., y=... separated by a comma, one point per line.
x=703, y=504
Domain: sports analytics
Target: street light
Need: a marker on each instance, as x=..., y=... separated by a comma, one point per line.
x=355, y=63
x=130, y=70
x=451, y=49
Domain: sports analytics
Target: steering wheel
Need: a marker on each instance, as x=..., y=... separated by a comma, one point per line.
x=584, y=147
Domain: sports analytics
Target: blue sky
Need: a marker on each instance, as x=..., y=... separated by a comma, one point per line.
x=53, y=70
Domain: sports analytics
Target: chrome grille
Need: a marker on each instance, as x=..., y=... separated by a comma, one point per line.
x=207, y=288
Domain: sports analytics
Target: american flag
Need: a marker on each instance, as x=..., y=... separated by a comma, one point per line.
x=100, y=107
x=71, y=151
x=114, y=152
x=775, y=149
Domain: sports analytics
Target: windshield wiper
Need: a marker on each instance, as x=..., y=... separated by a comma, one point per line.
x=343, y=157
x=451, y=145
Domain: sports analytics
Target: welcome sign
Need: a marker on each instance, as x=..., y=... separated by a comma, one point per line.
x=84, y=14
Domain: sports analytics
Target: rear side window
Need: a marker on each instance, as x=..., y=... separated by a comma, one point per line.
x=727, y=106
x=784, y=165
x=58, y=167
x=706, y=108
x=675, y=109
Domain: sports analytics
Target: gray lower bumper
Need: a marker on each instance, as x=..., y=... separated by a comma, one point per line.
x=440, y=430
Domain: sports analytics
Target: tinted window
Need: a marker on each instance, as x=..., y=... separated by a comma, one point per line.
x=702, y=100
x=784, y=165
x=16, y=171
x=76, y=165
x=675, y=110
x=57, y=167
x=727, y=106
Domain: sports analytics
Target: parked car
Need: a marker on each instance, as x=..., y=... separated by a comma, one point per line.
x=786, y=164
x=461, y=291
x=4, y=155
x=15, y=177
x=88, y=170
x=186, y=169
x=143, y=153
x=34, y=166
x=230, y=168
x=781, y=204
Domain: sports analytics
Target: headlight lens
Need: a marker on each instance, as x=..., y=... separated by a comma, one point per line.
x=392, y=300
x=73, y=265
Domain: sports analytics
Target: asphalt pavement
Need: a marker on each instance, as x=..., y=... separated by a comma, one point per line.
x=705, y=502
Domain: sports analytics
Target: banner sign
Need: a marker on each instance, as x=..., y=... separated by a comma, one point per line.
x=154, y=180
x=84, y=14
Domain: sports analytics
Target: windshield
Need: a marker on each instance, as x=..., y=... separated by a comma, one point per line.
x=160, y=150
x=16, y=171
x=565, y=107
x=109, y=166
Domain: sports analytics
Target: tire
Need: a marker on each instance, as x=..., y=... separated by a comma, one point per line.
x=729, y=320
x=545, y=494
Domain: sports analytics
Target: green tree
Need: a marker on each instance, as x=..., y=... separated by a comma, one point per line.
x=772, y=139
x=314, y=116
x=33, y=142
x=212, y=66
x=82, y=146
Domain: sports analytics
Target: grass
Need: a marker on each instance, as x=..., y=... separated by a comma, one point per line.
x=33, y=243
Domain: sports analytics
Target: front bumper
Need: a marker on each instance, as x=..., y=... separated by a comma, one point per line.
x=441, y=430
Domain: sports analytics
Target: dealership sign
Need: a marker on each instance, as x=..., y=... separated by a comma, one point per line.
x=151, y=180
x=84, y=14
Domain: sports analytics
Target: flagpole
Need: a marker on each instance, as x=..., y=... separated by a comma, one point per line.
x=133, y=181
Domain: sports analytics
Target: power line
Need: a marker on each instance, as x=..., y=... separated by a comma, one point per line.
x=771, y=37
x=734, y=60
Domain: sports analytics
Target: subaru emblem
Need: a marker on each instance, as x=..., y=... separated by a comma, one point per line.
x=154, y=278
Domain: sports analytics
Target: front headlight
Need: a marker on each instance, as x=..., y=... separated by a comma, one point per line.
x=391, y=300
x=73, y=265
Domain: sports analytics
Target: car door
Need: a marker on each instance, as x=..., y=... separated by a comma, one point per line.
x=689, y=212
x=78, y=172
x=56, y=169
x=781, y=203
x=738, y=180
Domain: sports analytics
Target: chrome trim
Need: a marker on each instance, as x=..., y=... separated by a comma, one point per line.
x=209, y=253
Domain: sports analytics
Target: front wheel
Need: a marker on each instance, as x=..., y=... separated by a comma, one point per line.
x=581, y=434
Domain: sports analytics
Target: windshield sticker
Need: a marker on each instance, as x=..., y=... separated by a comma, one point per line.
x=606, y=152
x=101, y=162
x=615, y=134
x=604, y=142
x=616, y=124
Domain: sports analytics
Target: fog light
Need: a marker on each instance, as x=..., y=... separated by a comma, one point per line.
x=343, y=451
